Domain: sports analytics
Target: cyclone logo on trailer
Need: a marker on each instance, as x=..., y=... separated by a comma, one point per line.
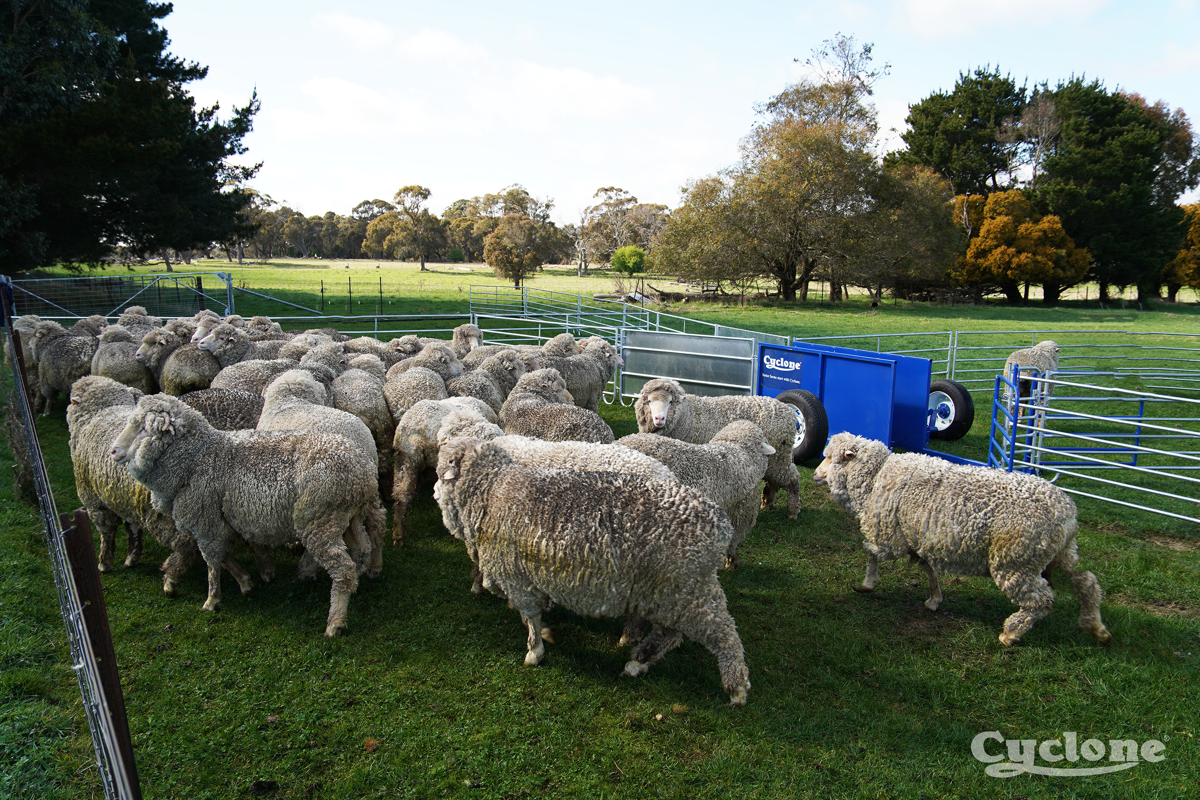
x=781, y=364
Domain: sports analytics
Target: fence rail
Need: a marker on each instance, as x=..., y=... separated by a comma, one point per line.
x=163, y=295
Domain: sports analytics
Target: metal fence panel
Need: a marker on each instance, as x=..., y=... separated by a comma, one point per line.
x=703, y=365
x=167, y=295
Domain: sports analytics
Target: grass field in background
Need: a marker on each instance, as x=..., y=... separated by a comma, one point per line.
x=853, y=695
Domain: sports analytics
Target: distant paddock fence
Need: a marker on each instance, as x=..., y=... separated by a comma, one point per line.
x=177, y=294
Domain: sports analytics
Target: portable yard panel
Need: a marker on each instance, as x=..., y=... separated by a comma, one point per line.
x=876, y=395
x=703, y=365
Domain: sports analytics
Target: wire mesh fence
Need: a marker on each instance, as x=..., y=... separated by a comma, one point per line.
x=173, y=295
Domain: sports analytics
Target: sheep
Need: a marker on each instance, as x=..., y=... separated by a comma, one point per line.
x=138, y=321
x=1042, y=357
x=229, y=345
x=271, y=487
x=359, y=390
x=209, y=322
x=597, y=543
x=437, y=357
x=178, y=366
x=663, y=407
x=24, y=326
x=301, y=343
x=116, y=358
x=294, y=401
x=62, y=357
x=333, y=333
x=415, y=447
x=411, y=387
x=562, y=345
x=226, y=409
x=492, y=381
x=261, y=324
x=540, y=406
x=964, y=520
x=89, y=326
x=727, y=469
x=255, y=376
x=589, y=372
x=330, y=354
x=400, y=348
x=99, y=410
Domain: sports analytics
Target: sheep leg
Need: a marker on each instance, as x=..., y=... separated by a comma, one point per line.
x=404, y=492
x=323, y=541
x=935, y=588
x=106, y=523
x=1087, y=590
x=213, y=602
x=1034, y=596
x=134, y=536
x=635, y=630
x=376, y=525
x=712, y=626
x=660, y=641
x=240, y=575
x=770, y=489
x=264, y=564
x=872, y=576
x=535, y=649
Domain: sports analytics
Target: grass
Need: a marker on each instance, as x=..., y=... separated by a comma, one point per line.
x=853, y=695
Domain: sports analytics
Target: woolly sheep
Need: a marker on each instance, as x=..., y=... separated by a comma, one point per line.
x=301, y=343
x=437, y=357
x=411, y=387
x=400, y=348
x=589, y=372
x=492, y=381
x=663, y=407
x=261, y=324
x=99, y=410
x=963, y=520
x=540, y=406
x=208, y=323
x=62, y=357
x=24, y=327
x=138, y=321
x=1043, y=357
x=330, y=354
x=226, y=409
x=294, y=401
x=603, y=544
x=89, y=326
x=728, y=469
x=415, y=448
x=229, y=345
x=359, y=390
x=116, y=358
x=178, y=366
x=271, y=487
x=562, y=345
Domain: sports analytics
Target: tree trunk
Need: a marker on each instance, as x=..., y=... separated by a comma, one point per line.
x=1051, y=292
x=1012, y=292
x=423, y=264
x=166, y=254
x=1103, y=293
x=1173, y=291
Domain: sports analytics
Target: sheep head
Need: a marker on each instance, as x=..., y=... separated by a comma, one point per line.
x=653, y=406
x=470, y=334
x=849, y=468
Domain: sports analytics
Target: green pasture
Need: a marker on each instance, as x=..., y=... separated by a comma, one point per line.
x=857, y=696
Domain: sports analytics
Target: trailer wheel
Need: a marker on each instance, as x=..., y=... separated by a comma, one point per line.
x=812, y=424
x=953, y=410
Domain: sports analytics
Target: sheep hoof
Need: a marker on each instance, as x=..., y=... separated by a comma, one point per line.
x=737, y=697
x=932, y=604
x=335, y=629
x=863, y=589
x=1103, y=636
x=105, y=567
x=132, y=561
x=1008, y=639
x=547, y=636
x=635, y=668
x=532, y=659
x=267, y=576
x=212, y=604
x=374, y=572
x=169, y=588
x=476, y=589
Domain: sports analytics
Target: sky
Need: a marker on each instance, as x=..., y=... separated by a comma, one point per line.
x=360, y=98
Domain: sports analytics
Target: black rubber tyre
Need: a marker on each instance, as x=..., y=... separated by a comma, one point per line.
x=955, y=410
x=812, y=424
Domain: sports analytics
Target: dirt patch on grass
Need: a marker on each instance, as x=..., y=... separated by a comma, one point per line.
x=1183, y=545
x=1161, y=608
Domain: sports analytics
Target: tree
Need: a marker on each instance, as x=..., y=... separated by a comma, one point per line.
x=609, y=223
x=1184, y=268
x=1113, y=178
x=512, y=248
x=1016, y=246
x=960, y=134
x=100, y=144
x=423, y=229
x=629, y=259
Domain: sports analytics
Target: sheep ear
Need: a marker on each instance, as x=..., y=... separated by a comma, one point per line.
x=849, y=454
x=766, y=449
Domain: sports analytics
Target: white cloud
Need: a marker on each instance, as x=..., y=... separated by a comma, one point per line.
x=430, y=44
x=941, y=19
x=362, y=32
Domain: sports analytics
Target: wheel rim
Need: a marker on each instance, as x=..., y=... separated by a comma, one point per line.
x=944, y=411
x=800, y=428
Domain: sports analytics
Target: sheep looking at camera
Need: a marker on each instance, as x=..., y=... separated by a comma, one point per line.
x=602, y=544
x=271, y=487
x=664, y=408
x=963, y=520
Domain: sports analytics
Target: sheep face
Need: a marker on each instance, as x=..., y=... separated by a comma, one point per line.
x=653, y=406
x=849, y=468
x=152, y=343
x=470, y=334
x=155, y=422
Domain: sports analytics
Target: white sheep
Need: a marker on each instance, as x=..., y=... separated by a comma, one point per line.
x=963, y=520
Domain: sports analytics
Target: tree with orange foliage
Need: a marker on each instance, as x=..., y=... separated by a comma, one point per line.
x=1013, y=246
x=1184, y=269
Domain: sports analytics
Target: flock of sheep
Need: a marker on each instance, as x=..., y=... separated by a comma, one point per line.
x=206, y=432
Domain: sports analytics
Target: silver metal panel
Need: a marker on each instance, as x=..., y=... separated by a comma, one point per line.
x=704, y=365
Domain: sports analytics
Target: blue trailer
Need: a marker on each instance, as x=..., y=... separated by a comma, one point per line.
x=877, y=395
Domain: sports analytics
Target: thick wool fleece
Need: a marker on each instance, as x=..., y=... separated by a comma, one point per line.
x=541, y=407
x=696, y=419
x=229, y=345
x=226, y=409
x=963, y=520
x=597, y=543
x=116, y=358
x=270, y=487
x=728, y=470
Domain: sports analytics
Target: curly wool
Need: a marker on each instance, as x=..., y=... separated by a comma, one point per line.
x=270, y=487
x=964, y=520
x=492, y=381
x=696, y=419
x=62, y=357
x=727, y=469
x=226, y=409
x=541, y=407
x=116, y=358
x=1042, y=357
x=230, y=345
x=602, y=544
